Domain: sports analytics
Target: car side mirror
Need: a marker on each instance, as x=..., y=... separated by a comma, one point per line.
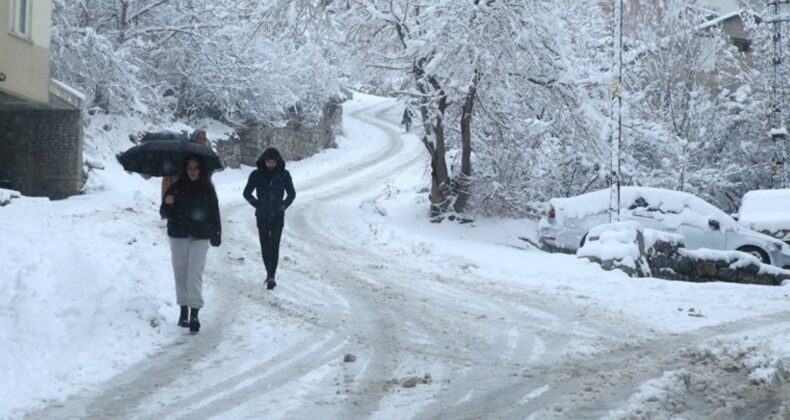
x=714, y=224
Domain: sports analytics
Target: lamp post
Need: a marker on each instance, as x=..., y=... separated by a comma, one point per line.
x=616, y=120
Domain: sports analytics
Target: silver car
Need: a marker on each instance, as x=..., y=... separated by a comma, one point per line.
x=565, y=226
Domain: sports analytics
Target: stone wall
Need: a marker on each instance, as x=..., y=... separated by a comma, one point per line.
x=674, y=263
x=229, y=151
x=669, y=260
x=41, y=151
x=297, y=140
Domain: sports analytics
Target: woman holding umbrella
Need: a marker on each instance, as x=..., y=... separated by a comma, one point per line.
x=199, y=137
x=193, y=222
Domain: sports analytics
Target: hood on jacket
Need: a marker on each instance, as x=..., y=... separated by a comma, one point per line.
x=270, y=153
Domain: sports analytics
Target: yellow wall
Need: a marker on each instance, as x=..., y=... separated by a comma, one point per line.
x=25, y=62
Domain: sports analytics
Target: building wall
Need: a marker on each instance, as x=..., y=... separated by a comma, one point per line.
x=25, y=62
x=41, y=151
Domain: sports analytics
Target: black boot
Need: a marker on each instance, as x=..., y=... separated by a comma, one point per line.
x=194, y=323
x=183, y=319
x=270, y=283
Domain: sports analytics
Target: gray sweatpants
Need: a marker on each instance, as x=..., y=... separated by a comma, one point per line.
x=189, y=260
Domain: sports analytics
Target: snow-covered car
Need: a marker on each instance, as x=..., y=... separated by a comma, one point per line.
x=768, y=212
x=568, y=220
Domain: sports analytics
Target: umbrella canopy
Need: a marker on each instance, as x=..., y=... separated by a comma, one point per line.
x=165, y=157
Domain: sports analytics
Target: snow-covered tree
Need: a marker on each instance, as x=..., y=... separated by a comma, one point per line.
x=691, y=113
x=175, y=58
x=512, y=96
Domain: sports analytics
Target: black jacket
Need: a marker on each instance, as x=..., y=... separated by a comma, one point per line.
x=194, y=213
x=270, y=187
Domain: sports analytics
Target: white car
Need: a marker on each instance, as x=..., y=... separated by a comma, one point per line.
x=568, y=220
x=768, y=212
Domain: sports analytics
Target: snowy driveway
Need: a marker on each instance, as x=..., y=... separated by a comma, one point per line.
x=440, y=323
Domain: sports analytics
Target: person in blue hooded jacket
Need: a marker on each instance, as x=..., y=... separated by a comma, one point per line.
x=274, y=192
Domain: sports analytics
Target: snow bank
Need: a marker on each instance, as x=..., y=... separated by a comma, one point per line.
x=86, y=284
x=726, y=377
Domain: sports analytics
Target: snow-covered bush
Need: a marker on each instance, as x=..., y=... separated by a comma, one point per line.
x=617, y=245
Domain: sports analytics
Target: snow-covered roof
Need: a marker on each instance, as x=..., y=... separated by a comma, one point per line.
x=673, y=208
x=720, y=19
x=598, y=201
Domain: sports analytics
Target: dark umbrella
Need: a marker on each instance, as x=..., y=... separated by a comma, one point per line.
x=165, y=157
x=163, y=135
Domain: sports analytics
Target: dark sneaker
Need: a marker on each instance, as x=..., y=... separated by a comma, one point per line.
x=270, y=283
x=194, y=325
x=183, y=318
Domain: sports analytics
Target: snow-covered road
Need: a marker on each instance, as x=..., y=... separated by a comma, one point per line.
x=438, y=326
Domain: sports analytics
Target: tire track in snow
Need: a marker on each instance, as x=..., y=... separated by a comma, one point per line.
x=393, y=297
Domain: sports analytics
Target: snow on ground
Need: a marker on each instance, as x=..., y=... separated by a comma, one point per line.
x=87, y=293
x=490, y=247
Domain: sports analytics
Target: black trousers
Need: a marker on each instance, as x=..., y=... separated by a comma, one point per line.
x=269, y=233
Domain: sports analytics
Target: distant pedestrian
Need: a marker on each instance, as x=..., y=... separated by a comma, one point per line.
x=274, y=192
x=193, y=222
x=406, y=120
x=199, y=137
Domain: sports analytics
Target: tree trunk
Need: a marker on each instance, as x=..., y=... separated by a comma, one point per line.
x=433, y=138
x=433, y=130
x=463, y=184
x=440, y=187
x=182, y=105
x=122, y=22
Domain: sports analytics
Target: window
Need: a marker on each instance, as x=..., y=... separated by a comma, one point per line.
x=19, y=18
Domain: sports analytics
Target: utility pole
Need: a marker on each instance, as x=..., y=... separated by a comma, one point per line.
x=616, y=120
x=778, y=129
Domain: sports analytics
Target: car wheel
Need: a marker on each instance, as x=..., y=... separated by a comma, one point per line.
x=757, y=252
